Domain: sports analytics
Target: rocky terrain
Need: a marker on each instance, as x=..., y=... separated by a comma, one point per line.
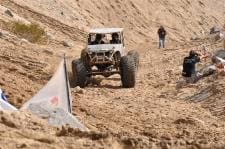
x=154, y=114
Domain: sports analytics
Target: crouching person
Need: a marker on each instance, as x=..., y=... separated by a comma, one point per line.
x=189, y=67
x=189, y=73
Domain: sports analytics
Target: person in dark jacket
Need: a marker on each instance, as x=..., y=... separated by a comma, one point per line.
x=162, y=36
x=189, y=67
x=189, y=73
x=189, y=64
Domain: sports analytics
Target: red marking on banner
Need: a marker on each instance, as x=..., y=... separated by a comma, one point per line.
x=55, y=101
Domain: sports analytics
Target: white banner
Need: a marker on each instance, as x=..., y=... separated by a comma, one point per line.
x=54, y=94
x=54, y=100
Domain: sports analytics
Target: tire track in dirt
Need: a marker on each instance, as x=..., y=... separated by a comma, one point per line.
x=109, y=106
x=24, y=11
x=150, y=110
x=210, y=96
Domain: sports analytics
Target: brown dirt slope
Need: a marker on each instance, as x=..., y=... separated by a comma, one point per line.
x=152, y=115
x=183, y=19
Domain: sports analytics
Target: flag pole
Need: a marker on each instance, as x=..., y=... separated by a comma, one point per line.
x=67, y=85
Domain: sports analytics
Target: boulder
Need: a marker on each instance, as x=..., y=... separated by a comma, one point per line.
x=9, y=13
x=67, y=44
x=214, y=30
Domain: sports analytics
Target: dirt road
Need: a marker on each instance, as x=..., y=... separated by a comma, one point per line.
x=153, y=108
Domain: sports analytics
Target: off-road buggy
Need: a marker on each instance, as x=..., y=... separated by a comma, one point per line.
x=104, y=55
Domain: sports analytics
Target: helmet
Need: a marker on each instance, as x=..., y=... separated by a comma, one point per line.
x=115, y=35
x=98, y=36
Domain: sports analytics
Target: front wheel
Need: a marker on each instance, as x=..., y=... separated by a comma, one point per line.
x=79, y=73
x=128, y=71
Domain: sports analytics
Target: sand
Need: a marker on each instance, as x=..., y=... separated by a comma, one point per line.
x=153, y=114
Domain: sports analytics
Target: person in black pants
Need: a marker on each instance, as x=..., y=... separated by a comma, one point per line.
x=189, y=67
x=189, y=73
x=162, y=36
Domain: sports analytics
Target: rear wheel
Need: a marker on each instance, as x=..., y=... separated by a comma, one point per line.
x=79, y=73
x=135, y=56
x=127, y=71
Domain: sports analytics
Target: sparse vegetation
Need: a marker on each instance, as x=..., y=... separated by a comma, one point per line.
x=32, y=32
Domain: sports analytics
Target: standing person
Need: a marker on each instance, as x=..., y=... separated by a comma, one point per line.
x=162, y=36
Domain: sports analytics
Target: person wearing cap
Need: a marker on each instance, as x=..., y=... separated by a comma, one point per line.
x=189, y=67
x=189, y=73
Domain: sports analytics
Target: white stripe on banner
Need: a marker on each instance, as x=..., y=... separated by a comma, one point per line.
x=6, y=106
x=53, y=101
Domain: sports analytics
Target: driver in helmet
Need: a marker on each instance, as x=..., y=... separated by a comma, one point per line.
x=115, y=39
x=98, y=40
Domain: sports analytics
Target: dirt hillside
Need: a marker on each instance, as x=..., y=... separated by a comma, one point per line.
x=153, y=114
x=183, y=19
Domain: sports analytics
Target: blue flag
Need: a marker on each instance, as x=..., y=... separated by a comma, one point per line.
x=2, y=96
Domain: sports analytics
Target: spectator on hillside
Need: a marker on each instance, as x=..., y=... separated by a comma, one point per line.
x=189, y=72
x=189, y=68
x=162, y=36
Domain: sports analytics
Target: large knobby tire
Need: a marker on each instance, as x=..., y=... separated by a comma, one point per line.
x=128, y=71
x=84, y=58
x=135, y=56
x=79, y=73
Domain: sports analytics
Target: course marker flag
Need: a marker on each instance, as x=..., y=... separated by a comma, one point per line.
x=54, y=102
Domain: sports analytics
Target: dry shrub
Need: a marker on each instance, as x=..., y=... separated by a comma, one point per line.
x=32, y=32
